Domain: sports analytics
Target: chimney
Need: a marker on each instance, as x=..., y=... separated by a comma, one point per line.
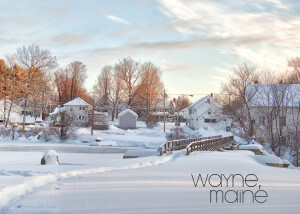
x=212, y=95
x=256, y=82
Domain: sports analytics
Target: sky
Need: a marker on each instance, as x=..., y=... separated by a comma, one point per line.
x=194, y=43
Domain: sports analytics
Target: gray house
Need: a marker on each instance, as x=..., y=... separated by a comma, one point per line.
x=78, y=108
x=127, y=119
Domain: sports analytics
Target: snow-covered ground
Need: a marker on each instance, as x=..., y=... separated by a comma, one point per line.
x=93, y=177
x=106, y=183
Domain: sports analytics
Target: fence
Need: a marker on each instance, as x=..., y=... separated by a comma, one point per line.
x=181, y=144
x=209, y=145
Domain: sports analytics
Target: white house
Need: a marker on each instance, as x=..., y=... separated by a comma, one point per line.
x=127, y=119
x=275, y=110
x=78, y=108
x=205, y=113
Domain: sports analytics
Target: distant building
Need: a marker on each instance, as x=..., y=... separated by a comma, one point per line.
x=57, y=116
x=15, y=114
x=159, y=111
x=100, y=120
x=275, y=110
x=105, y=104
x=127, y=119
x=206, y=113
x=77, y=109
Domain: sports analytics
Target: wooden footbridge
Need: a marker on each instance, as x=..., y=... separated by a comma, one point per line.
x=196, y=144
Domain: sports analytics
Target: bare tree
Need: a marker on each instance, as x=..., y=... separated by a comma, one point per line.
x=235, y=99
x=116, y=94
x=150, y=84
x=273, y=101
x=129, y=72
x=78, y=76
x=108, y=89
x=294, y=75
x=35, y=61
x=70, y=81
x=184, y=102
x=102, y=88
x=4, y=76
x=294, y=128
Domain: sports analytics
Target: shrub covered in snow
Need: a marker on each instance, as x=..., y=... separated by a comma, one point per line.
x=50, y=157
x=5, y=132
x=172, y=134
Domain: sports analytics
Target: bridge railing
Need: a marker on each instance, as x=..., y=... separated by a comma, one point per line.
x=209, y=145
x=181, y=143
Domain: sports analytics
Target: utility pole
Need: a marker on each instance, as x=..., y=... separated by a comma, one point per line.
x=93, y=112
x=25, y=105
x=164, y=111
x=177, y=108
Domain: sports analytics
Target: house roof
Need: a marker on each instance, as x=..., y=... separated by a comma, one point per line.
x=128, y=111
x=201, y=101
x=160, y=104
x=273, y=95
x=77, y=102
x=58, y=110
x=100, y=113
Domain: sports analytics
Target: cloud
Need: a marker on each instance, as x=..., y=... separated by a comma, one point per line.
x=117, y=19
x=265, y=34
x=181, y=44
x=180, y=68
x=70, y=38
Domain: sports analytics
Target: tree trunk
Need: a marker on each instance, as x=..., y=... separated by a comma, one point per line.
x=24, y=117
x=8, y=114
x=4, y=110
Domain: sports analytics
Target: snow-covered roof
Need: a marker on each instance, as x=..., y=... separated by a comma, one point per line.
x=101, y=113
x=160, y=104
x=128, y=111
x=273, y=95
x=58, y=110
x=77, y=102
x=160, y=113
x=203, y=100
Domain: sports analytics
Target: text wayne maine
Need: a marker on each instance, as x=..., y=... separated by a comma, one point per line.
x=254, y=195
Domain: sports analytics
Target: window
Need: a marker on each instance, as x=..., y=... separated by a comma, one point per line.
x=82, y=108
x=209, y=112
x=71, y=109
x=210, y=120
x=261, y=120
x=79, y=117
x=79, y=108
x=282, y=121
x=206, y=120
x=283, y=140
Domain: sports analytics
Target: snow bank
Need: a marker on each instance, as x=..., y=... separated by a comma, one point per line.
x=140, y=153
x=50, y=157
x=11, y=194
